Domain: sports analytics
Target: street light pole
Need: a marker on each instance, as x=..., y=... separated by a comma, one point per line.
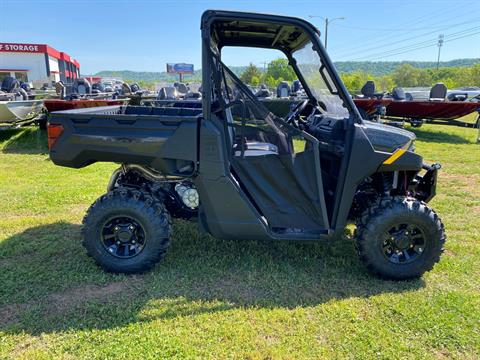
x=327, y=22
x=326, y=32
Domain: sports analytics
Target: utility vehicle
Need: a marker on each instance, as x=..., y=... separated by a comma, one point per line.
x=243, y=173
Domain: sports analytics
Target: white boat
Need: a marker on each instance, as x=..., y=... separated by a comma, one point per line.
x=18, y=111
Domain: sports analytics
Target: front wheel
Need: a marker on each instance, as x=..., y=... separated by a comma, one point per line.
x=399, y=238
x=126, y=231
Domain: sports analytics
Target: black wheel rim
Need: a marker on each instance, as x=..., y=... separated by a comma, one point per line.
x=123, y=237
x=403, y=243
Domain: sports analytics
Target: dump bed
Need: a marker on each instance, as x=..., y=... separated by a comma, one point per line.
x=164, y=138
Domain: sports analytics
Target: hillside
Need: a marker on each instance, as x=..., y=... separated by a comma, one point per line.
x=150, y=76
x=375, y=68
x=378, y=68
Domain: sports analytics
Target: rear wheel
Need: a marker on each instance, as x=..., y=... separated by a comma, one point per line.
x=126, y=231
x=400, y=238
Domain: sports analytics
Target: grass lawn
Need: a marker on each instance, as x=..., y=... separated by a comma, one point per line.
x=213, y=298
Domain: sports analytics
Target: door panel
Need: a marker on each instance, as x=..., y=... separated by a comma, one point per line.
x=284, y=187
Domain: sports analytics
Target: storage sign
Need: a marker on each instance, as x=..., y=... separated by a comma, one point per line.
x=29, y=48
x=180, y=68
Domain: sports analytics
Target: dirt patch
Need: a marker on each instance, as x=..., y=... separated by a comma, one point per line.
x=10, y=313
x=442, y=354
x=78, y=208
x=59, y=303
x=467, y=182
x=75, y=296
x=269, y=339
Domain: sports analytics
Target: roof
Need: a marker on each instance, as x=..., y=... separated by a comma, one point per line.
x=233, y=28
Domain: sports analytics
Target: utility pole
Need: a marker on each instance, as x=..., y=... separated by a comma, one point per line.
x=327, y=22
x=326, y=32
x=439, y=44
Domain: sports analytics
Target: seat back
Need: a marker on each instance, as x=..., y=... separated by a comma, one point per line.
x=9, y=83
x=81, y=86
x=438, y=92
x=181, y=87
x=368, y=90
x=398, y=94
x=167, y=93
x=296, y=86
x=283, y=89
x=135, y=87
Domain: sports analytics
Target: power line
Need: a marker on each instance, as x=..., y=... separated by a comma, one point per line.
x=435, y=14
x=414, y=46
x=422, y=47
x=461, y=37
x=412, y=37
x=382, y=29
x=386, y=39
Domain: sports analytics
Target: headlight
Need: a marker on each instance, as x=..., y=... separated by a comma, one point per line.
x=409, y=146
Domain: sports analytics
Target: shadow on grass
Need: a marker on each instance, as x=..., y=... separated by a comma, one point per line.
x=49, y=284
x=7, y=134
x=439, y=137
x=28, y=140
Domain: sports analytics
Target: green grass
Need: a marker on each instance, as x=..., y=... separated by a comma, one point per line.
x=213, y=298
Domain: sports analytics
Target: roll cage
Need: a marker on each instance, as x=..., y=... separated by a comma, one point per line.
x=240, y=29
x=286, y=34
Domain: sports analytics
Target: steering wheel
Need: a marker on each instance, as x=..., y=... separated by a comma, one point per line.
x=294, y=114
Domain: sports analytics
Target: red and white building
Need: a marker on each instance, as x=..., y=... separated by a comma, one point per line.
x=38, y=64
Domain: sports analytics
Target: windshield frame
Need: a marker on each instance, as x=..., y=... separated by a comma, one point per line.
x=328, y=66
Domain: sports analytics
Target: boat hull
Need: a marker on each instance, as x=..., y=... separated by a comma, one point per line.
x=60, y=105
x=370, y=106
x=17, y=111
x=432, y=110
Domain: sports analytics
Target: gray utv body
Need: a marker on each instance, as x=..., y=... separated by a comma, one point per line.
x=258, y=176
x=193, y=143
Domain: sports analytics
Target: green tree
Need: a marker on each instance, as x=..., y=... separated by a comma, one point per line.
x=270, y=81
x=355, y=80
x=279, y=68
x=475, y=75
x=255, y=81
x=406, y=75
x=385, y=83
x=250, y=73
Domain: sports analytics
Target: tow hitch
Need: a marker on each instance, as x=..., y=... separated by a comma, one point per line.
x=424, y=187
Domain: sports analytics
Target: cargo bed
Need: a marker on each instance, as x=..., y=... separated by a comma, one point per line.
x=151, y=136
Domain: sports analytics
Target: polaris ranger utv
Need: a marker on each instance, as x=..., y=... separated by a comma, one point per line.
x=243, y=173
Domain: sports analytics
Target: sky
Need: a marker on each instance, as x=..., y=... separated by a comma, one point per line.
x=144, y=35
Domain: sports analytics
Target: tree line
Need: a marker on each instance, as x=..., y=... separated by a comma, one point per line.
x=404, y=75
x=408, y=76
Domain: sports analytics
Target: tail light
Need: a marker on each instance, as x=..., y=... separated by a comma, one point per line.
x=54, y=131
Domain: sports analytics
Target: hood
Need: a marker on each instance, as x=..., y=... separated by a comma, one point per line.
x=388, y=138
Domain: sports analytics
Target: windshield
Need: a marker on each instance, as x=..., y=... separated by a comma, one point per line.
x=316, y=77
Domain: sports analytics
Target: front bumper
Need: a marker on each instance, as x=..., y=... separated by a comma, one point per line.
x=424, y=187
